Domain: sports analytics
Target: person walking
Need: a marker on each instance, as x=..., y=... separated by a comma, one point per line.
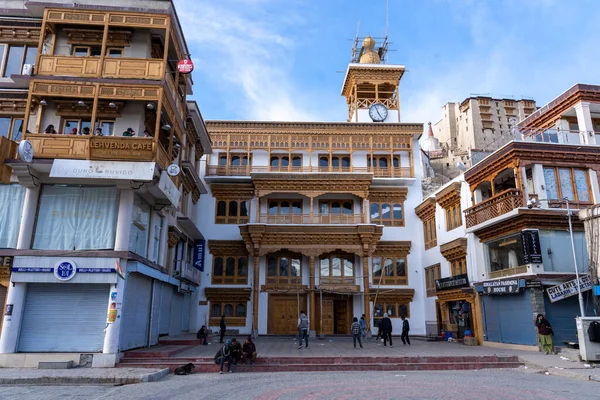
x=224, y=355
x=249, y=351
x=545, y=331
x=405, y=330
x=363, y=327
x=303, y=325
x=223, y=327
x=356, y=332
x=385, y=327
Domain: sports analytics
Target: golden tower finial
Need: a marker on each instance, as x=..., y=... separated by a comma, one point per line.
x=369, y=56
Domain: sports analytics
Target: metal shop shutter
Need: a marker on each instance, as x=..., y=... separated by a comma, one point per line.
x=185, y=318
x=61, y=317
x=155, y=317
x=509, y=319
x=136, y=311
x=165, y=308
x=562, y=313
x=176, y=309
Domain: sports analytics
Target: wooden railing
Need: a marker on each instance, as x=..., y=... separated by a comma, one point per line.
x=246, y=170
x=500, y=204
x=337, y=280
x=508, y=272
x=130, y=68
x=162, y=157
x=314, y=219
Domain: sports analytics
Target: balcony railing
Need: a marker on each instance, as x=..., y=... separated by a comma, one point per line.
x=337, y=280
x=500, y=204
x=129, y=68
x=246, y=170
x=314, y=219
x=184, y=270
x=554, y=135
x=508, y=272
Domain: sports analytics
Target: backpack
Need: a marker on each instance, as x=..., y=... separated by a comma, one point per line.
x=303, y=322
x=594, y=331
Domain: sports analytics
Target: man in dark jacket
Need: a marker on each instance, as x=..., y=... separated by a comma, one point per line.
x=385, y=327
x=223, y=327
x=224, y=354
x=405, y=330
x=249, y=351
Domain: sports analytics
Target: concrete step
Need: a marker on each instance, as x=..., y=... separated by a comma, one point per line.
x=212, y=368
x=160, y=351
x=182, y=342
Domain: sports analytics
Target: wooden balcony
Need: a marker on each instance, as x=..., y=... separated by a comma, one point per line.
x=500, y=204
x=123, y=68
x=111, y=148
x=397, y=172
x=508, y=272
x=246, y=170
x=337, y=219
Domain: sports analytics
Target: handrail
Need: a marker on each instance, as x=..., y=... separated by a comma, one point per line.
x=493, y=207
x=246, y=170
x=336, y=219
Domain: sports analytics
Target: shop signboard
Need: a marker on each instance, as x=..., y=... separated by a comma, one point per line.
x=139, y=171
x=502, y=286
x=168, y=188
x=532, y=252
x=199, y=254
x=568, y=289
x=533, y=284
x=452, y=282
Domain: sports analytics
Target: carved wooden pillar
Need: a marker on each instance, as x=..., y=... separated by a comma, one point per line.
x=311, y=274
x=257, y=209
x=365, y=263
x=255, y=288
x=311, y=209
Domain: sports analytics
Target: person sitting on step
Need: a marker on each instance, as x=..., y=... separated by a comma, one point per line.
x=249, y=351
x=236, y=351
x=203, y=335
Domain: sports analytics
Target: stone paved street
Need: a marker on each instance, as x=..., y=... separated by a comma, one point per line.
x=486, y=384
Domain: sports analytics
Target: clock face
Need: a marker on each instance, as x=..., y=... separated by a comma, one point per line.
x=378, y=112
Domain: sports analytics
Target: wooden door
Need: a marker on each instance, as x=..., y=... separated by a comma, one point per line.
x=341, y=317
x=327, y=310
x=283, y=315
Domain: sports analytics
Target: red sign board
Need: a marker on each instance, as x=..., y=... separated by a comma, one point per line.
x=185, y=66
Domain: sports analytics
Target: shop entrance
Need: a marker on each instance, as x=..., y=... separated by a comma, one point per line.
x=336, y=315
x=459, y=318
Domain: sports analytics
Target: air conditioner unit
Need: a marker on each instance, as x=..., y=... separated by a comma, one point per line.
x=27, y=69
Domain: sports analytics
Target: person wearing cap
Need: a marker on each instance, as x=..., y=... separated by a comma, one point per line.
x=129, y=132
x=385, y=327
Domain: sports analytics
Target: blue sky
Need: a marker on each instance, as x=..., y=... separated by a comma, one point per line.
x=284, y=59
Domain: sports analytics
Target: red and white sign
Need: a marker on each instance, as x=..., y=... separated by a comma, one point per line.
x=185, y=66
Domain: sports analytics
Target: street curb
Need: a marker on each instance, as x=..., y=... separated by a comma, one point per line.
x=83, y=380
x=574, y=373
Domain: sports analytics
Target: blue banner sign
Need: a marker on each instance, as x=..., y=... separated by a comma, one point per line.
x=199, y=254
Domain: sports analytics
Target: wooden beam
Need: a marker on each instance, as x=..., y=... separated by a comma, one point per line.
x=38, y=120
x=27, y=109
x=94, y=113
x=103, y=51
x=158, y=112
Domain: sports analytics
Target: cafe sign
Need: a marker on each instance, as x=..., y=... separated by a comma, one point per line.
x=452, y=282
x=568, y=289
x=139, y=171
x=503, y=286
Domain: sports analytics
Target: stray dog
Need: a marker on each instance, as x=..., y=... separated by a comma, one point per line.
x=185, y=369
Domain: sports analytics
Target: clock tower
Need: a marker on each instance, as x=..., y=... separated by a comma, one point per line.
x=371, y=85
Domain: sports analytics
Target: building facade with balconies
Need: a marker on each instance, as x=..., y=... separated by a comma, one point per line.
x=102, y=240
x=316, y=216
x=520, y=218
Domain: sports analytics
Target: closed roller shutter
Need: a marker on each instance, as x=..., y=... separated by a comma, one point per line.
x=509, y=319
x=155, y=317
x=561, y=315
x=136, y=312
x=185, y=318
x=165, y=308
x=64, y=318
x=176, y=308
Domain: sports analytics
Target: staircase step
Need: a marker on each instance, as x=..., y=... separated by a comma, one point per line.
x=181, y=342
x=160, y=351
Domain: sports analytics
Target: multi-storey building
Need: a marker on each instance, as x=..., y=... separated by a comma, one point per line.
x=316, y=216
x=526, y=264
x=475, y=128
x=92, y=203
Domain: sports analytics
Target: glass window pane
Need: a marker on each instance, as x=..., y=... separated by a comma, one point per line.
x=230, y=267
x=285, y=161
x=273, y=207
x=285, y=207
x=324, y=209
x=400, y=267
x=396, y=162
x=566, y=183
x=376, y=267
x=336, y=266
x=223, y=160
x=17, y=129
x=244, y=160
x=346, y=162
x=297, y=161
x=323, y=162
x=14, y=60
x=378, y=311
x=335, y=208
x=235, y=161
x=284, y=267
x=221, y=209
x=95, y=51
x=397, y=211
x=297, y=207
x=85, y=127
x=374, y=211
x=228, y=310
x=115, y=53
x=391, y=310
x=348, y=268
x=271, y=266
x=274, y=161
x=4, y=126
x=385, y=211
x=383, y=162
x=403, y=310
x=550, y=180
x=80, y=51
x=335, y=162
x=30, y=54
x=218, y=269
x=295, y=267
x=215, y=310
x=240, y=310
x=347, y=208
x=324, y=266
x=233, y=207
x=388, y=267
x=582, y=186
x=242, y=267
x=243, y=208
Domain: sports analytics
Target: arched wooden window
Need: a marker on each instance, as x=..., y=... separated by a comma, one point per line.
x=240, y=310
x=228, y=310
x=393, y=268
x=284, y=268
x=216, y=310
x=221, y=209
x=337, y=268
x=230, y=270
x=218, y=266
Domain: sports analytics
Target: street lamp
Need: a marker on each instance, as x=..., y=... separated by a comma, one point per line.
x=530, y=205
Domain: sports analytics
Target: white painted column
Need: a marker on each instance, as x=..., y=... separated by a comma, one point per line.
x=478, y=196
x=584, y=120
x=164, y=238
x=564, y=136
x=539, y=183
x=16, y=291
x=113, y=330
x=153, y=220
x=595, y=189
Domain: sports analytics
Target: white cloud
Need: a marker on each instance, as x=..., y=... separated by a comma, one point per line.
x=246, y=49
